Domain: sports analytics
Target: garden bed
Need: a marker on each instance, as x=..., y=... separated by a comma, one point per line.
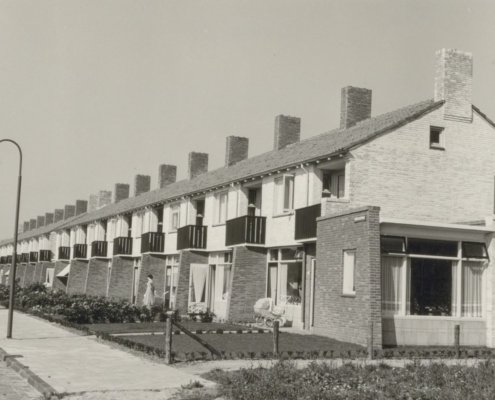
x=322, y=381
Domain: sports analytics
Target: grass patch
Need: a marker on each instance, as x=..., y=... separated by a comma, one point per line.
x=255, y=343
x=322, y=381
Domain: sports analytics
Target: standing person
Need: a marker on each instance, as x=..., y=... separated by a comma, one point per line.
x=149, y=295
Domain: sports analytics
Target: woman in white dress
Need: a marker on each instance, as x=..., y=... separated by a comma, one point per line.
x=149, y=295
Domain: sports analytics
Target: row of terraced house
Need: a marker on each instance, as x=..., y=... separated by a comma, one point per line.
x=386, y=220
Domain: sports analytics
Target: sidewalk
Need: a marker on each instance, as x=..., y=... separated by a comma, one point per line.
x=76, y=364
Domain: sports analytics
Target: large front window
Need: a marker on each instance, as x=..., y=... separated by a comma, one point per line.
x=172, y=279
x=432, y=277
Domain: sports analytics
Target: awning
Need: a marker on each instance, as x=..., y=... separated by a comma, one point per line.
x=64, y=273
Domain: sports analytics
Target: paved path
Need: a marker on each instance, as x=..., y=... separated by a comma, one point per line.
x=14, y=386
x=76, y=364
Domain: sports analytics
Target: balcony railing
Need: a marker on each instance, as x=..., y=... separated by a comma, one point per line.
x=24, y=258
x=153, y=242
x=191, y=237
x=122, y=246
x=246, y=229
x=3, y=260
x=99, y=248
x=9, y=259
x=80, y=251
x=33, y=256
x=64, y=253
x=45, y=255
x=306, y=222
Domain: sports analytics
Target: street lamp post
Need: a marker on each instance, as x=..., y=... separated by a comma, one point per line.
x=16, y=231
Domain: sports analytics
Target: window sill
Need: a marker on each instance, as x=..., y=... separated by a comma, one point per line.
x=219, y=224
x=351, y=295
x=431, y=317
x=437, y=147
x=336, y=199
x=172, y=231
x=287, y=214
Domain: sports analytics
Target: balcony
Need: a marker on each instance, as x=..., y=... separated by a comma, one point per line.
x=80, y=251
x=24, y=258
x=191, y=237
x=99, y=248
x=153, y=242
x=122, y=246
x=3, y=260
x=246, y=229
x=9, y=259
x=33, y=256
x=306, y=222
x=64, y=253
x=45, y=255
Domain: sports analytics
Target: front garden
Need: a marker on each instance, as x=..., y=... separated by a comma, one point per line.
x=321, y=381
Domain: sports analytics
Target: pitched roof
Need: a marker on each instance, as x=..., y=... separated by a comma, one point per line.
x=326, y=144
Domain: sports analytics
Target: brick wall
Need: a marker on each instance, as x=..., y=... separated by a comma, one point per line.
x=154, y=265
x=186, y=258
x=40, y=221
x=77, y=276
x=58, y=215
x=49, y=218
x=81, y=206
x=20, y=274
x=236, y=150
x=96, y=277
x=287, y=131
x=59, y=284
x=400, y=173
x=310, y=254
x=355, y=106
x=69, y=211
x=120, y=286
x=42, y=272
x=37, y=272
x=122, y=191
x=142, y=184
x=348, y=318
x=248, y=282
x=29, y=274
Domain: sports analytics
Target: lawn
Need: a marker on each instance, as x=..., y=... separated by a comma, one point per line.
x=255, y=342
x=321, y=381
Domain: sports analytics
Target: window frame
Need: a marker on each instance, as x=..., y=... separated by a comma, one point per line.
x=279, y=194
x=174, y=210
x=345, y=287
x=440, y=145
x=218, y=218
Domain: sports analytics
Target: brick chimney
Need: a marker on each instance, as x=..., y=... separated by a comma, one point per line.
x=40, y=221
x=454, y=83
x=93, y=202
x=32, y=224
x=48, y=218
x=236, y=149
x=104, y=198
x=355, y=106
x=167, y=174
x=142, y=184
x=197, y=164
x=81, y=207
x=25, y=228
x=122, y=191
x=58, y=215
x=287, y=131
x=69, y=211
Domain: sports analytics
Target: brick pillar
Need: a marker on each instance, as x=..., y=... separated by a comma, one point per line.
x=186, y=258
x=355, y=106
x=287, y=131
x=121, y=273
x=154, y=265
x=96, y=277
x=167, y=174
x=197, y=164
x=77, y=277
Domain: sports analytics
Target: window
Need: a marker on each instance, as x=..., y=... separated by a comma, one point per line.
x=159, y=219
x=393, y=244
x=474, y=250
x=172, y=279
x=221, y=208
x=284, y=194
x=349, y=266
x=334, y=183
x=436, y=137
x=284, y=279
x=472, y=273
x=174, y=217
x=392, y=267
x=432, y=247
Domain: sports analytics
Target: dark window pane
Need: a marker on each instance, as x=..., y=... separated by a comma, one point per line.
x=431, y=287
x=392, y=244
x=432, y=247
x=474, y=250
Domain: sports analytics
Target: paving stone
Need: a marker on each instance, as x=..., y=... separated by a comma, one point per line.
x=15, y=387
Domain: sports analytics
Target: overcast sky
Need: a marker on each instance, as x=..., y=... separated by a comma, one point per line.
x=98, y=91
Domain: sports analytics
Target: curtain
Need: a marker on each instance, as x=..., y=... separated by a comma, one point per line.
x=391, y=283
x=282, y=278
x=471, y=289
x=454, y=289
x=273, y=282
x=198, y=277
x=226, y=281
